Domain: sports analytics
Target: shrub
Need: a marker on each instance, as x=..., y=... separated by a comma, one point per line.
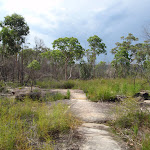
x=32, y=125
x=132, y=123
x=68, y=85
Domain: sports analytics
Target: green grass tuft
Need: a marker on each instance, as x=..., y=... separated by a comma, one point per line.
x=32, y=125
x=132, y=124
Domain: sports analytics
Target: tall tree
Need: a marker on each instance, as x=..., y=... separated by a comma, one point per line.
x=55, y=59
x=121, y=62
x=71, y=49
x=125, y=54
x=96, y=48
x=127, y=45
x=142, y=56
x=12, y=35
x=33, y=66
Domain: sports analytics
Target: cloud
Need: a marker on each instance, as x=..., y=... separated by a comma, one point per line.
x=109, y=19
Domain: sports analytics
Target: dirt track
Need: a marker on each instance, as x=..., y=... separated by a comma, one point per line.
x=97, y=135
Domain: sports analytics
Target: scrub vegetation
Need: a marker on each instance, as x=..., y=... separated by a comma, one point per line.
x=35, y=124
x=132, y=124
x=32, y=124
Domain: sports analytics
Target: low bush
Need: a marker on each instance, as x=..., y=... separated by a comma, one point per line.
x=56, y=96
x=100, y=89
x=107, y=89
x=56, y=84
x=132, y=124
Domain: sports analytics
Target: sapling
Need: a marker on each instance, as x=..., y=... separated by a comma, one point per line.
x=34, y=66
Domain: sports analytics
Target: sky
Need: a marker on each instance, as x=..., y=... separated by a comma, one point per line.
x=109, y=19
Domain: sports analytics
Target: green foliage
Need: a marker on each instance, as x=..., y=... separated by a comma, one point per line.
x=56, y=56
x=96, y=45
x=12, y=35
x=85, y=70
x=56, y=84
x=71, y=49
x=68, y=94
x=97, y=48
x=125, y=53
x=2, y=86
x=107, y=89
x=56, y=96
x=132, y=123
x=121, y=62
x=146, y=142
x=102, y=63
x=100, y=89
x=68, y=85
x=34, y=65
x=29, y=55
x=22, y=123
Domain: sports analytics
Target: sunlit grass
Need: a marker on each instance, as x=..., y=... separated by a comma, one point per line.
x=100, y=89
x=107, y=89
x=32, y=125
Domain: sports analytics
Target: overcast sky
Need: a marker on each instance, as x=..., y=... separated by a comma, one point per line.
x=109, y=19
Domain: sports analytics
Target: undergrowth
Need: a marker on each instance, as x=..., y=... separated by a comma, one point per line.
x=107, y=89
x=32, y=125
x=56, y=84
x=56, y=96
x=133, y=124
x=100, y=89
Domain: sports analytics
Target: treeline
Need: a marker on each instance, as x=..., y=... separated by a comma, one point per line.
x=19, y=62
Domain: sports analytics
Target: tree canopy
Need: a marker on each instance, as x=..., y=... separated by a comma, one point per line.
x=71, y=49
x=97, y=47
x=12, y=35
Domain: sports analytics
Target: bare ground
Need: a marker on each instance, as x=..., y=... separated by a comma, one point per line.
x=95, y=134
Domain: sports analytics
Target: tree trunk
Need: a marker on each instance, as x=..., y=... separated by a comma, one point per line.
x=94, y=59
x=66, y=66
x=15, y=68
x=70, y=73
x=18, y=66
x=22, y=69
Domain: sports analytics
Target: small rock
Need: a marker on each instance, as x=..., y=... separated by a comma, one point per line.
x=143, y=95
x=147, y=102
x=31, y=95
x=120, y=97
x=20, y=97
x=34, y=95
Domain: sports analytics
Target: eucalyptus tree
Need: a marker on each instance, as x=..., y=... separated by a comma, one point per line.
x=14, y=29
x=143, y=57
x=128, y=45
x=97, y=47
x=121, y=62
x=55, y=60
x=125, y=54
x=13, y=32
x=71, y=49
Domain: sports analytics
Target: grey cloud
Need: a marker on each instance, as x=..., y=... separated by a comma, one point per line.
x=85, y=18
